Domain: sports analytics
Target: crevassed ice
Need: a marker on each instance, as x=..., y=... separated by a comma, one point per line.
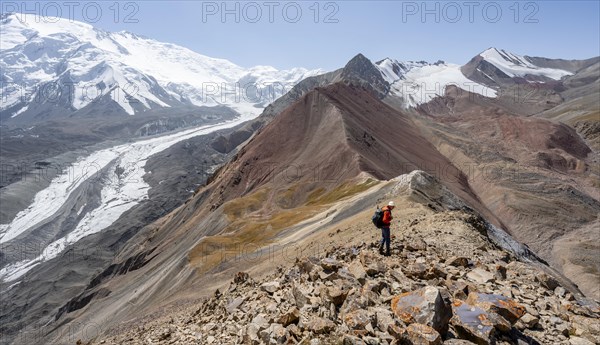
x=119, y=194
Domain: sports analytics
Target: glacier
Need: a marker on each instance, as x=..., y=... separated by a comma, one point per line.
x=420, y=82
x=119, y=193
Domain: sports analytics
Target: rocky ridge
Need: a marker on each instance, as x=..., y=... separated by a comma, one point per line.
x=445, y=283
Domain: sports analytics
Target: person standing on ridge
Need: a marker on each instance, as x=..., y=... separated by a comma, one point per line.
x=385, y=229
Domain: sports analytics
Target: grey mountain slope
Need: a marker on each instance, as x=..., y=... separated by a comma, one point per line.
x=581, y=106
x=362, y=72
x=572, y=66
x=583, y=83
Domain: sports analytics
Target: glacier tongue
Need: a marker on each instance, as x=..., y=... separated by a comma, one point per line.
x=118, y=194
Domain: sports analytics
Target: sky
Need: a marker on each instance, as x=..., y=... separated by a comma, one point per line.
x=326, y=34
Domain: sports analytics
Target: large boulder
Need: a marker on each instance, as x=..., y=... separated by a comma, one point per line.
x=300, y=296
x=501, y=305
x=481, y=316
x=250, y=335
x=330, y=264
x=354, y=301
x=473, y=323
x=358, y=271
x=425, y=306
x=372, y=263
x=270, y=287
x=547, y=281
x=585, y=327
x=337, y=294
x=234, y=304
x=274, y=334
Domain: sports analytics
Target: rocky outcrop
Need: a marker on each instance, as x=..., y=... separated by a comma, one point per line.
x=423, y=294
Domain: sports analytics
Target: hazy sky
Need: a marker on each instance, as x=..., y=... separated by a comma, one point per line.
x=326, y=34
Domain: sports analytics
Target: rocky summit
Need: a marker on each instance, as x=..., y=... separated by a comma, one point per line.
x=445, y=283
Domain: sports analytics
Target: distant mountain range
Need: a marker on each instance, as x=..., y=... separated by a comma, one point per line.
x=62, y=68
x=78, y=67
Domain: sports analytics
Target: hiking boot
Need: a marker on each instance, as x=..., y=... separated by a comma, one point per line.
x=387, y=253
x=381, y=249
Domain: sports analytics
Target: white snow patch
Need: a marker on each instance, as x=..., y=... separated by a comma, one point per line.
x=20, y=111
x=387, y=70
x=422, y=83
x=515, y=65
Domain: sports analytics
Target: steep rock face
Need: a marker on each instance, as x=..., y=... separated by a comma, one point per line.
x=363, y=71
x=484, y=72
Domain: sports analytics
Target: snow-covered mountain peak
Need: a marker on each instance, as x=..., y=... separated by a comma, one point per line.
x=21, y=27
x=35, y=51
x=515, y=65
x=393, y=70
x=418, y=82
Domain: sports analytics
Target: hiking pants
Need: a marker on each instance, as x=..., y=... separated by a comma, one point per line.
x=385, y=237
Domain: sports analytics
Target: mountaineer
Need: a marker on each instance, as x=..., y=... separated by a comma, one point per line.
x=385, y=228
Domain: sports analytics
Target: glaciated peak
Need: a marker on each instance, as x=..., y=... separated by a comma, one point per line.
x=418, y=82
x=36, y=49
x=47, y=25
x=515, y=65
x=501, y=54
x=391, y=69
x=488, y=51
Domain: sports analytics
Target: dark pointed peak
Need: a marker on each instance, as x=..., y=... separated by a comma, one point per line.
x=359, y=58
